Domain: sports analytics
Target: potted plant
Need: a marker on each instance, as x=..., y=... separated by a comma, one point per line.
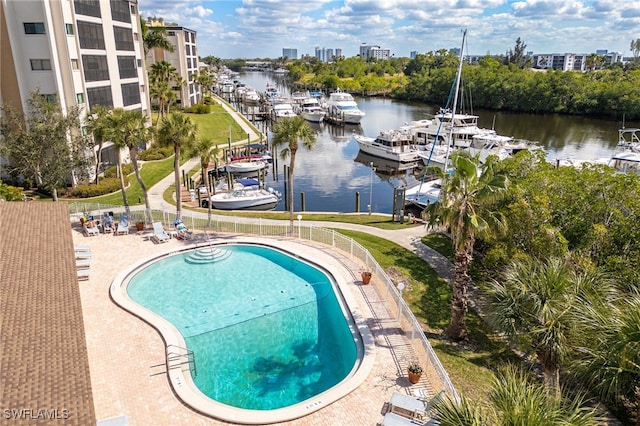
x=139, y=225
x=415, y=371
x=366, y=277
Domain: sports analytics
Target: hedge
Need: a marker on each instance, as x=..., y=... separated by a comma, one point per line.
x=106, y=186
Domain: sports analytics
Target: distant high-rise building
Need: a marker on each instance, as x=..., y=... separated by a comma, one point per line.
x=290, y=53
x=369, y=51
x=413, y=54
x=328, y=55
x=339, y=52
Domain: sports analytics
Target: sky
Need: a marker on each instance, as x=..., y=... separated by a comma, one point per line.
x=262, y=28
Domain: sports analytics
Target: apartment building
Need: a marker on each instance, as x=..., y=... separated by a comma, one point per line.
x=291, y=53
x=76, y=52
x=369, y=51
x=184, y=58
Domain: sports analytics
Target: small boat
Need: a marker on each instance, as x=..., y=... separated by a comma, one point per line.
x=311, y=110
x=246, y=199
x=343, y=109
x=244, y=166
x=251, y=97
x=419, y=196
x=395, y=145
x=283, y=109
x=253, y=152
x=488, y=144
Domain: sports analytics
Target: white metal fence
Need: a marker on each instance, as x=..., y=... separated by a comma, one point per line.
x=278, y=228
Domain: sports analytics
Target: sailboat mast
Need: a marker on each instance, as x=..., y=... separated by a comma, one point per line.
x=455, y=98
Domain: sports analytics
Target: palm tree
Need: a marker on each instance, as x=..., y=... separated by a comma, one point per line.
x=287, y=132
x=178, y=130
x=465, y=209
x=206, y=150
x=205, y=81
x=610, y=362
x=96, y=125
x=128, y=128
x=536, y=304
x=516, y=399
x=154, y=37
x=161, y=75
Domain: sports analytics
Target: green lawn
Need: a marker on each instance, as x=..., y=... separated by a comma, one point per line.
x=151, y=172
x=440, y=243
x=217, y=125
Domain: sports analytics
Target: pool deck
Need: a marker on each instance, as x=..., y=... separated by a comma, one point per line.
x=126, y=355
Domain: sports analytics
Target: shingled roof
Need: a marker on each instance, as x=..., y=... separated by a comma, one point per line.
x=44, y=368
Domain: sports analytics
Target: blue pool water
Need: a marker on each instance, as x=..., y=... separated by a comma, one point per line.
x=266, y=329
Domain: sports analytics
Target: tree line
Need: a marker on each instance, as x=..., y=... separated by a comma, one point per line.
x=554, y=253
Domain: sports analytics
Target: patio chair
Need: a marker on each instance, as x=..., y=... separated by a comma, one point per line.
x=183, y=233
x=107, y=222
x=123, y=225
x=89, y=228
x=159, y=235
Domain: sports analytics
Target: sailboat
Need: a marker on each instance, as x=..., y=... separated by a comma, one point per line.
x=425, y=193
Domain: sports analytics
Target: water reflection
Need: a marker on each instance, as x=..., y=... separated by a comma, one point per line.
x=332, y=173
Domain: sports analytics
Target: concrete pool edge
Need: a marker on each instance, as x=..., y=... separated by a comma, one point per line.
x=180, y=378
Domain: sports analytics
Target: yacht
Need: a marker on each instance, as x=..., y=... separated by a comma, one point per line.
x=283, y=109
x=395, y=145
x=343, y=109
x=311, y=110
x=457, y=130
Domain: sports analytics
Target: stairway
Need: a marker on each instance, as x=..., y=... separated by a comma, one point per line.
x=207, y=255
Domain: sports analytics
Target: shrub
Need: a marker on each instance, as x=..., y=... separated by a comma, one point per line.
x=198, y=109
x=10, y=193
x=156, y=153
x=111, y=172
x=106, y=186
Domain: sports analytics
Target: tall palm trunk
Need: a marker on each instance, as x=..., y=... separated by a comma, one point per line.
x=122, y=187
x=176, y=172
x=133, y=153
x=98, y=161
x=290, y=178
x=205, y=179
x=550, y=372
x=457, y=328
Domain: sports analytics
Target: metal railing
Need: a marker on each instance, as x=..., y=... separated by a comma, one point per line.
x=278, y=228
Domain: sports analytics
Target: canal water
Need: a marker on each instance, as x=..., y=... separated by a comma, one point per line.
x=333, y=172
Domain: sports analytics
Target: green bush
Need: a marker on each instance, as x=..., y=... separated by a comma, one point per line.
x=156, y=153
x=10, y=193
x=198, y=109
x=111, y=172
x=106, y=186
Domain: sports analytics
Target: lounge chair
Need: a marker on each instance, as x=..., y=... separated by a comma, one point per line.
x=183, y=233
x=159, y=236
x=107, y=222
x=123, y=225
x=89, y=228
x=83, y=274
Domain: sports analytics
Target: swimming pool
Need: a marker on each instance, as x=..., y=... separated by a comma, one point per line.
x=270, y=331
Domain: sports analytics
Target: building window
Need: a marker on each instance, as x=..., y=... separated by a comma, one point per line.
x=124, y=38
x=171, y=33
x=139, y=63
x=34, y=28
x=95, y=67
x=127, y=66
x=120, y=11
x=90, y=35
x=69, y=28
x=133, y=9
x=142, y=89
x=74, y=64
x=130, y=94
x=80, y=98
x=40, y=64
x=50, y=98
x=88, y=8
x=100, y=96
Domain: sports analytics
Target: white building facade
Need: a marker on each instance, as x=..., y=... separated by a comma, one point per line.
x=75, y=52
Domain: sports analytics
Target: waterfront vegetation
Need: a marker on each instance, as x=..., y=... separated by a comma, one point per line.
x=611, y=92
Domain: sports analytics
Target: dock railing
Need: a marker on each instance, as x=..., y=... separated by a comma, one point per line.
x=384, y=285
